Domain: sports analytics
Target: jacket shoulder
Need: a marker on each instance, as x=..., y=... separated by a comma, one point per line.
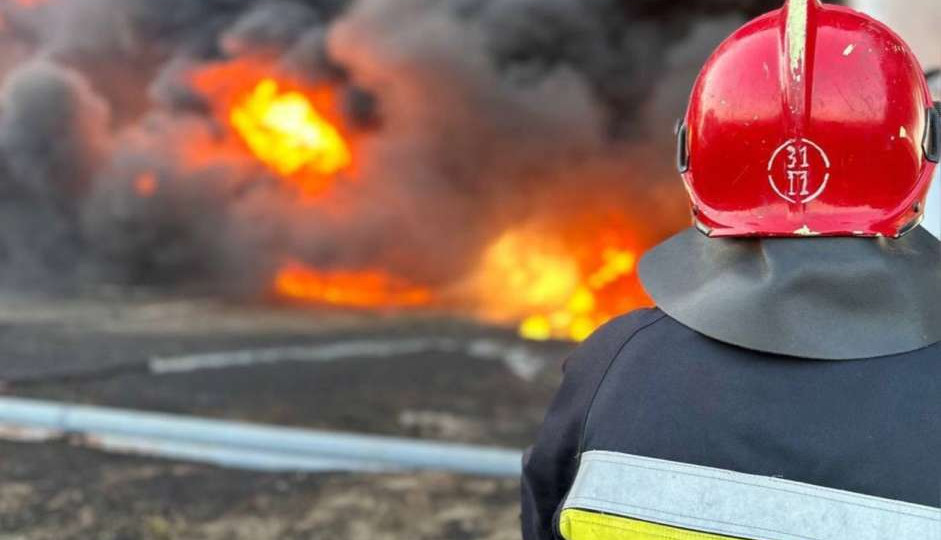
x=604, y=344
x=589, y=364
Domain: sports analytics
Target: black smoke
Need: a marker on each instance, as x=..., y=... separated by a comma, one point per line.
x=470, y=116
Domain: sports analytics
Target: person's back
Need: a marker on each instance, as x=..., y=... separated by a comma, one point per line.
x=788, y=386
x=686, y=433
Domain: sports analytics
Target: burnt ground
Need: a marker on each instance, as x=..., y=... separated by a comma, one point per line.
x=59, y=492
x=98, y=352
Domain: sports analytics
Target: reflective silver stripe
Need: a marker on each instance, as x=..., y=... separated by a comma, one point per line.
x=740, y=505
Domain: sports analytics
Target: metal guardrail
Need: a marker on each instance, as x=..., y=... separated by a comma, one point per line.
x=249, y=446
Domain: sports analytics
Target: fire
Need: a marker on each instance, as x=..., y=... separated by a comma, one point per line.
x=363, y=289
x=556, y=290
x=552, y=283
x=580, y=315
x=284, y=130
x=540, y=273
x=287, y=126
x=145, y=185
x=551, y=289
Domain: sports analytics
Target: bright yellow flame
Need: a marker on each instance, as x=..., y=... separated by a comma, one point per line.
x=530, y=277
x=537, y=275
x=536, y=328
x=284, y=130
x=617, y=264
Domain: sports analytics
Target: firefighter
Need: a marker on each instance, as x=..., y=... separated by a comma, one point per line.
x=788, y=385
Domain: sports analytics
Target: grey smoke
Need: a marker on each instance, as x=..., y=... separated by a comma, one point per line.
x=54, y=136
x=269, y=28
x=468, y=116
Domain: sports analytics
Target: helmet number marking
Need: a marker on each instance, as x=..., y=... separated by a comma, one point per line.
x=799, y=171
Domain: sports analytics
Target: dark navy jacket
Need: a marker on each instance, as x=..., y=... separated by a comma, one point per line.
x=663, y=426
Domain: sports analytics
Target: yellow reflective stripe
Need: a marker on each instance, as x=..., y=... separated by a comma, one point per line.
x=581, y=525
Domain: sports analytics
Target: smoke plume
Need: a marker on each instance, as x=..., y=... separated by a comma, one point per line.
x=466, y=117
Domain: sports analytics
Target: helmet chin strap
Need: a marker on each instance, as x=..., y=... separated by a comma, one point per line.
x=933, y=211
x=933, y=206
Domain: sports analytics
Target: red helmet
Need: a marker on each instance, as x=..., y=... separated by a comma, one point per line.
x=810, y=120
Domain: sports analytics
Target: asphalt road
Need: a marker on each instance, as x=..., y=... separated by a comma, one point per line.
x=416, y=375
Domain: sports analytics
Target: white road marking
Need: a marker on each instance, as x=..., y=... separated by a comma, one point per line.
x=519, y=358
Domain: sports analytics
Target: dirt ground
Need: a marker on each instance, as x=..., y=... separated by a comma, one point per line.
x=98, y=353
x=59, y=492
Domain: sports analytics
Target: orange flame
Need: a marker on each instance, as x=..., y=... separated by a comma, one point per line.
x=557, y=291
x=580, y=315
x=286, y=126
x=283, y=123
x=364, y=289
x=285, y=131
x=145, y=185
x=553, y=285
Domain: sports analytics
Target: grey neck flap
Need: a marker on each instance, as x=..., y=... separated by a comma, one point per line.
x=816, y=298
